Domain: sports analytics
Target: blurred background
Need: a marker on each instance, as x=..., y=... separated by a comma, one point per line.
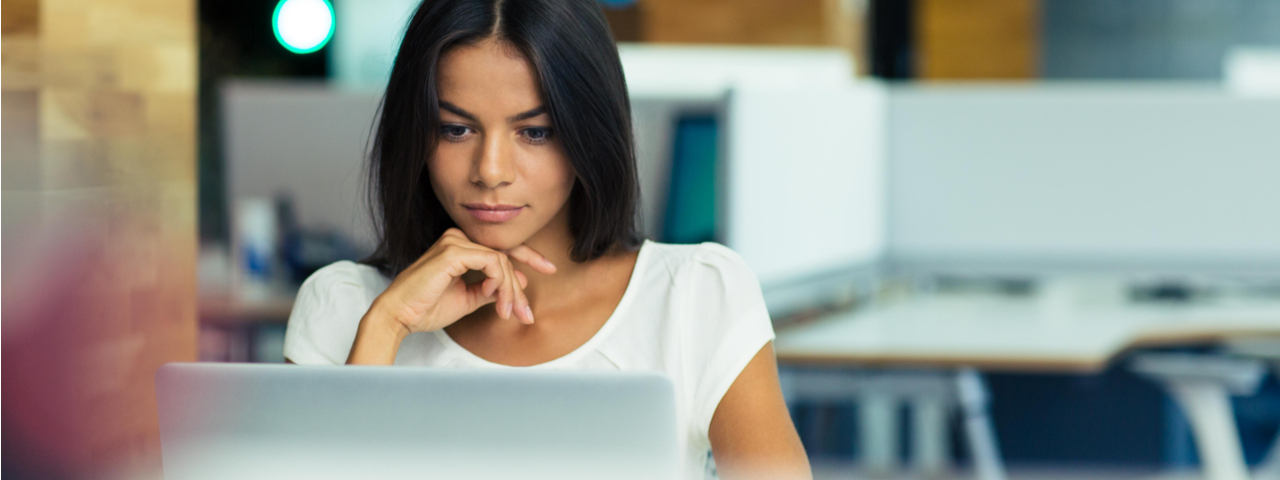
x=1047, y=244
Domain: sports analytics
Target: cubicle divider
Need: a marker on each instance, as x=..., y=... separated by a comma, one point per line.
x=1132, y=177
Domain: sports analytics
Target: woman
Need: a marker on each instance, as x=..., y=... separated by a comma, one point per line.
x=505, y=192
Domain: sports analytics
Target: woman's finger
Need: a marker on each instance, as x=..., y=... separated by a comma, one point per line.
x=477, y=297
x=489, y=286
x=455, y=236
x=514, y=308
x=489, y=262
x=532, y=258
x=507, y=292
x=503, y=292
x=523, y=310
x=503, y=282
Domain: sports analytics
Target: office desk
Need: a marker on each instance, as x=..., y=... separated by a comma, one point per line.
x=229, y=311
x=969, y=332
x=1015, y=334
x=229, y=323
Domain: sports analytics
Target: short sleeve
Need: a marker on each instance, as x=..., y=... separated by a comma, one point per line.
x=327, y=312
x=728, y=324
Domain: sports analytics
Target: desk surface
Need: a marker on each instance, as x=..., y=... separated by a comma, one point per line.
x=228, y=310
x=1001, y=333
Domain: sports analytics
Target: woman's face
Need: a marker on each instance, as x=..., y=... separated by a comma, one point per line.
x=498, y=168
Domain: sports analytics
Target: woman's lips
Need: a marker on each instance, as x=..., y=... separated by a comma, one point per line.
x=493, y=213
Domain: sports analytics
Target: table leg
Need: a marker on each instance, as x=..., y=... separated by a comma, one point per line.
x=879, y=426
x=878, y=396
x=929, y=435
x=1208, y=406
x=1270, y=467
x=973, y=396
x=1202, y=386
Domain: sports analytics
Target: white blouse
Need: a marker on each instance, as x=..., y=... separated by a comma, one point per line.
x=692, y=312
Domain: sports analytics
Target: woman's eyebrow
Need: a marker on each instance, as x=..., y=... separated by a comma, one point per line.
x=539, y=110
x=458, y=111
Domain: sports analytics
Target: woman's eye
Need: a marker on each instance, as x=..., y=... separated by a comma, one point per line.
x=454, y=132
x=538, y=135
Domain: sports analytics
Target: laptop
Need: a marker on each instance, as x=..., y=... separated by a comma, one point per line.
x=220, y=420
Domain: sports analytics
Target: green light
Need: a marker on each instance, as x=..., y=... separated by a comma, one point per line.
x=303, y=26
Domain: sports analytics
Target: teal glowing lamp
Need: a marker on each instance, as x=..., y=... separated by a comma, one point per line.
x=303, y=26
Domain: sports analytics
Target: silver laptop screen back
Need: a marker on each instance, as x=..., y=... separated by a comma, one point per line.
x=279, y=421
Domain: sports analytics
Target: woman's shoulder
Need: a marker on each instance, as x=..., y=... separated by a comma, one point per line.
x=681, y=260
x=345, y=272
x=330, y=303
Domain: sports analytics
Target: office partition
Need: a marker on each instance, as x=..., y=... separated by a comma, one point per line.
x=1029, y=178
x=804, y=178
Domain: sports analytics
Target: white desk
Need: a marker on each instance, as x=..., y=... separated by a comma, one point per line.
x=1015, y=334
x=1031, y=334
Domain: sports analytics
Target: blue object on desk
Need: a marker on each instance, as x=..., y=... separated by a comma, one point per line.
x=692, y=194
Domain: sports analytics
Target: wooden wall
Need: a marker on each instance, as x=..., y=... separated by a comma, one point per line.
x=755, y=22
x=99, y=197
x=953, y=39
x=796, y=22
x=977, y=39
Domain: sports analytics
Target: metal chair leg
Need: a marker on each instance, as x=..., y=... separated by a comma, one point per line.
x=974, y=399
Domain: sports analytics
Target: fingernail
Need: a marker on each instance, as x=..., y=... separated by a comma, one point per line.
x=528, y=313
x=548, y=264
x=506, y=309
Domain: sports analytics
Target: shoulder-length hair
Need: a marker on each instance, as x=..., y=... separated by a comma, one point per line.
x=570, y=47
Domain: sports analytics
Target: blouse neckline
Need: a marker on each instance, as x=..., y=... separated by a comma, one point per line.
x=577, y=353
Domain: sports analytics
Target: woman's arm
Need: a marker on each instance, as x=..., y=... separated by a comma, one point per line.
x=751, y=431
x=377, y=338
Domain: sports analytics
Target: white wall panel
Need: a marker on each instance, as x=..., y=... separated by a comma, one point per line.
x=804, y=173
x=1091, y=174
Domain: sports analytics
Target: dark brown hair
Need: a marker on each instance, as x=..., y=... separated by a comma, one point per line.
x=572, y=51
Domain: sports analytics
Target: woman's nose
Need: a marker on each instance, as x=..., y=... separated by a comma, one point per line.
x=495, y=167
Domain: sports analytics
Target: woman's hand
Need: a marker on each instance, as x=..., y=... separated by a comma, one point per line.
x=431, y=294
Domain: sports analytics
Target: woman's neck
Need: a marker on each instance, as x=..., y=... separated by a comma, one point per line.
x=555, y=242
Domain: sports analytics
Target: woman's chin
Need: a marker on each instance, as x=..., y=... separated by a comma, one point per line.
x=497, y=237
